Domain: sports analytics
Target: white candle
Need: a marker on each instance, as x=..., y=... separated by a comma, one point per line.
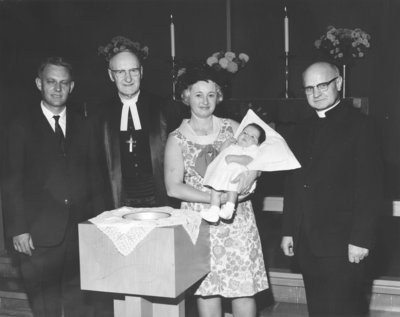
x=228, y=25
x=286, y=24
x=172, y=29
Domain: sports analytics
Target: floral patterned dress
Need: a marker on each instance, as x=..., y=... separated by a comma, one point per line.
x=237, y=264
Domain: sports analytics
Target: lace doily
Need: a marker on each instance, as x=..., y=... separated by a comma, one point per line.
x=126, y=234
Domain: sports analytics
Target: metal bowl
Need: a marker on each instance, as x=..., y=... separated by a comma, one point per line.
x=146, y=215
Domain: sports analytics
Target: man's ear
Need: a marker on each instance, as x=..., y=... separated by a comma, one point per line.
x=111, y=75
x=38, y=82
x=71, y=86
x=141, y=72
x=339, y=83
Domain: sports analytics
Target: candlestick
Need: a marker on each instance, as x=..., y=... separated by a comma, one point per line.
x=286, y=75
x=286, y=33
x=286, y=92
x=173, y=79
x=172, y=29
x=344, y=81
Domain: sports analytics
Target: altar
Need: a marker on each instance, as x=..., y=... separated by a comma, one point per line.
x=153, y=277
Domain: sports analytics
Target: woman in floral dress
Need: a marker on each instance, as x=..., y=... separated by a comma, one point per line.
x=237, y=265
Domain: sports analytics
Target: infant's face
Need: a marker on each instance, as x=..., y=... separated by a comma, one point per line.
x=249, y=136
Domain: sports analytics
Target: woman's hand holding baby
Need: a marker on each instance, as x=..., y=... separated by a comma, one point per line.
x=245, y=180
x=227, y=143
x=240, y=159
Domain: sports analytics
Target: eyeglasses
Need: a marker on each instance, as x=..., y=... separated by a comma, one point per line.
x=309, y=90
x=122, y=73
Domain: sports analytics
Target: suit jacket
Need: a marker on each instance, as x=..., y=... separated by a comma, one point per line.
x=43, y=189
x=335, y=197
x=108, y=120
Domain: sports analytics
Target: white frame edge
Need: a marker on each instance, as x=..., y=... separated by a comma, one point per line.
x=275, y=204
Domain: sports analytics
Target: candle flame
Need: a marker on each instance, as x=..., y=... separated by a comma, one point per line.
x=285, y=11
x=172, y=19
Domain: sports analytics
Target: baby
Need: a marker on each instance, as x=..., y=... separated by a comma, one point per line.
x=232, y=161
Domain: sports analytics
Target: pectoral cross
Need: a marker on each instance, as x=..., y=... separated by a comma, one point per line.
x=130, y=142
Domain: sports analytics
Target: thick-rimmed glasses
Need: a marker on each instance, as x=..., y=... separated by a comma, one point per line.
x=309, y=90
x=122, y=73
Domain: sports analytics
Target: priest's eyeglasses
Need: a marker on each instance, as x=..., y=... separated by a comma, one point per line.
x=122, y=73
x=309, y=90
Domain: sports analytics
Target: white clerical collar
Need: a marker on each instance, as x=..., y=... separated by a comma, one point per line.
x=322, y=113
x=130, y=105
x=49, y=116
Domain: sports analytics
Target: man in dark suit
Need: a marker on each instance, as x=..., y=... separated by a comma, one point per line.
x=332, y=202
x=133, y=127
x=48, y=190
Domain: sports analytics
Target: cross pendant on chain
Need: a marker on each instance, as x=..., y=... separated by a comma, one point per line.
x=130, y=142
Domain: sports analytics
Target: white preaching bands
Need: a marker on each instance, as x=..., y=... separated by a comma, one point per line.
x=130, y=105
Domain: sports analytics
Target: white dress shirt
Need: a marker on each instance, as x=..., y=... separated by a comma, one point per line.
x=62, y=121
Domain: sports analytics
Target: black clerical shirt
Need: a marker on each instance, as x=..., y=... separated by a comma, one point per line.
x=137, y=171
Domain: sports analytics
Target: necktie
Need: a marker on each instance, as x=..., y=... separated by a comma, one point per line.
x=59, y=133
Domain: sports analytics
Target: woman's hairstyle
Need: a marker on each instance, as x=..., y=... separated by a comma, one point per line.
x=192, y=74
x=262, y=136
x=185, y=95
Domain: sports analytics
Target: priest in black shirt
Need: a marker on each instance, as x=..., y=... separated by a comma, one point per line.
x=133, y=129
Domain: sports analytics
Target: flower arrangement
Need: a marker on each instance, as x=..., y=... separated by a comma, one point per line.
x=227, y=61
x=120, y=44
x=226, y=65
x=344, y=45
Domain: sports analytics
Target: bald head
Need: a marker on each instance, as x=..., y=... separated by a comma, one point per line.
x=322, y=83
x=322, y=68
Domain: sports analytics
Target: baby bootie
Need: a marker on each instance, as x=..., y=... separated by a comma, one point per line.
x=227, y=210
x=210, y=215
